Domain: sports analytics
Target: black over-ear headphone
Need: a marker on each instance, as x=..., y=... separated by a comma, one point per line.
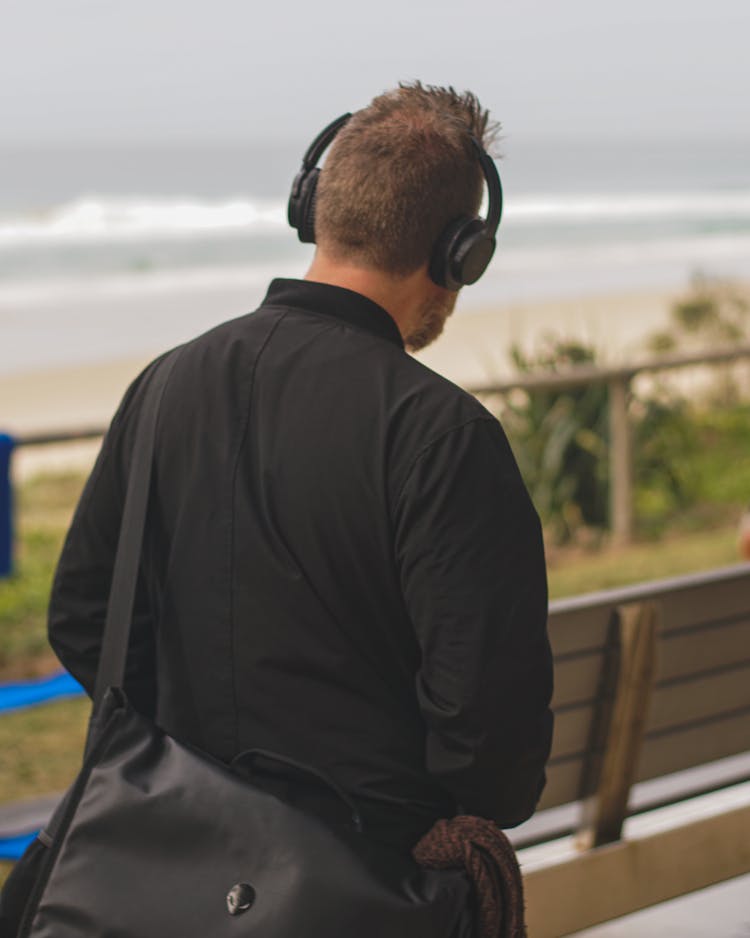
x=463, y=250
x=301, y=209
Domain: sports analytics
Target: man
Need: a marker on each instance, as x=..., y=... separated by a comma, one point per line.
x=341, y=563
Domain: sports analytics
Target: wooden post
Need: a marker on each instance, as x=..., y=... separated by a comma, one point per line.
x=604, y=811
x=620, y=461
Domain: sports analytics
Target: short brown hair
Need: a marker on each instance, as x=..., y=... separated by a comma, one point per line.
x=398, y=173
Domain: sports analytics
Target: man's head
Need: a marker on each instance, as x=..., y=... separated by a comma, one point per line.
x=398, y=173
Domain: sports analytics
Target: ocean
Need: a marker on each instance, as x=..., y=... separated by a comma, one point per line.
x=110, y=252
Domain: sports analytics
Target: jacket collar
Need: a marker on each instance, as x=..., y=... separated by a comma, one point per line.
x=337, y=302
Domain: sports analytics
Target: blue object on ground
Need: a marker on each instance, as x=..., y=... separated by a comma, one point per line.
x=30, y=693
x=6, y=506
x=19, y=820
x=11, y=848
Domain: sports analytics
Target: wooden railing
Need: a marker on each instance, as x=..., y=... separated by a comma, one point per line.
x=618, y=380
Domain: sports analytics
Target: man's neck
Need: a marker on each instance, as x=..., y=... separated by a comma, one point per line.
x=399, y=296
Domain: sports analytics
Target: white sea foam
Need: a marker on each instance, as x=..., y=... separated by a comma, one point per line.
x=193, y=280
x=691, y=251
x=95, y=219
x=631, y=207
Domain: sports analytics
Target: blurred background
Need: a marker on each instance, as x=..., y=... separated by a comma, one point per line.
x=146, y=154
x=148, y=148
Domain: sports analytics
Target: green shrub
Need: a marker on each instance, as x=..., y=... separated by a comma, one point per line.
x=691, y=465
x=560, y=439
x=713, y=311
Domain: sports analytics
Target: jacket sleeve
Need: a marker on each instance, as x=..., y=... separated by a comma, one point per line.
x=471, y=559
x=80, y=589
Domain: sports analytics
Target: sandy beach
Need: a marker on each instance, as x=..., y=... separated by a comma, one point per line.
x=473, y=350
x=61, y=399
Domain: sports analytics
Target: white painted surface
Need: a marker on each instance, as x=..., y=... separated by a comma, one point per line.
x=720, y=911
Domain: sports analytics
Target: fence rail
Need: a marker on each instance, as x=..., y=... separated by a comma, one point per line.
x=60, y=436
x=593, y=374
x=617, y=378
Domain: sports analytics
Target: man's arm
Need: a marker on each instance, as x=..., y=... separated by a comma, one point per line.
x=471, y=558
x=80, y=589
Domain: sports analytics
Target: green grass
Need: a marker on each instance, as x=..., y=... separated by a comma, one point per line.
x=573, y=572
x=44, y=509
x=41, y=748
x=721, y=465
x=40, y=751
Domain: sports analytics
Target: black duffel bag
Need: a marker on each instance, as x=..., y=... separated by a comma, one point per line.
x=156, y=839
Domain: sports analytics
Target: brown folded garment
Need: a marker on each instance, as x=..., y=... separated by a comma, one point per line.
x=482, y=849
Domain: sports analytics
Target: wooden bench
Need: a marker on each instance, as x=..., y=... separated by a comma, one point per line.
x=652, y=707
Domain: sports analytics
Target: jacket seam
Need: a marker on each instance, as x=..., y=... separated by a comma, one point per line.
x=427, y=446
x=107, y=455
x=235, y=470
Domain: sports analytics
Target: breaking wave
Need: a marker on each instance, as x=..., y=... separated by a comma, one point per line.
x=110, y=219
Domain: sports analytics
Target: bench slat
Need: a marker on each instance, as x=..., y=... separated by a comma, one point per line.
x=693, y=699
x=572, y=732
x=577, y=680
x=578, y=631
x=580, y=623
x=682, y=654
x=694, y=745
x=708, y=602
x=695, y=717
x=563, y=781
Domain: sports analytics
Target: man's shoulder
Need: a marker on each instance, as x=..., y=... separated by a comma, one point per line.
x=419, y=402
x=433, y=396
x=245, y=326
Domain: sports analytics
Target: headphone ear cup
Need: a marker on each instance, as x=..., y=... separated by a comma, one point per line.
x=472, y=255
x=461, y=254
x=306, y=210
x=441, y=261
x=292, y=209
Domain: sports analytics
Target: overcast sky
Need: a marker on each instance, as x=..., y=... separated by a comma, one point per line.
x=114, y=70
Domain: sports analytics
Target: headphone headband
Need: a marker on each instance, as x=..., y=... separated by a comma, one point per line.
x=494, y=188
x=464, y=248
x=319, y=145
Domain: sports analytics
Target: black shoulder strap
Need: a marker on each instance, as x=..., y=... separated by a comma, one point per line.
x=114, y=653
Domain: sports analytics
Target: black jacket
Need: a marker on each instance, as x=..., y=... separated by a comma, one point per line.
x=341, y=564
